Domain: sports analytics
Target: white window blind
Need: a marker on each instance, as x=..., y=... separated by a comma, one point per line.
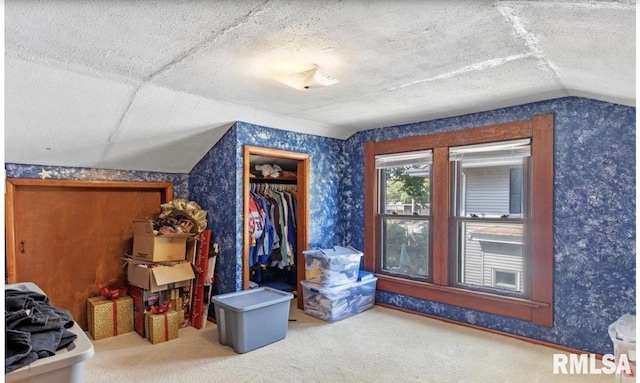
x=491, y=153
x=406, y=159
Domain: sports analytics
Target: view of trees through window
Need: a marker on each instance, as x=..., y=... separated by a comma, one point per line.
x=405, y=221
x=404, y=188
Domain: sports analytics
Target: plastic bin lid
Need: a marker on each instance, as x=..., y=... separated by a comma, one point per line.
x=336, y=251
x=247, y=300
x=25, y=286
x=624, y=328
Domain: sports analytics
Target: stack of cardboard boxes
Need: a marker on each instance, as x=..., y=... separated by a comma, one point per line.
x=160, y=275
x=170, y=276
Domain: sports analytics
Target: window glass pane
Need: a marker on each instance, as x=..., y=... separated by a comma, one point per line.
x=405, y=246
x=505, y=279
x=490, y=254
x=491, y=190
x=515, y=190
x=488, y=179
x=407, y=188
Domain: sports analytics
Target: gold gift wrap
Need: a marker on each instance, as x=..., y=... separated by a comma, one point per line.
x=108, y=317
x=162, y=327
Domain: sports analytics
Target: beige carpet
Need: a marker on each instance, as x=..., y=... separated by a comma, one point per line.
x=379, y=345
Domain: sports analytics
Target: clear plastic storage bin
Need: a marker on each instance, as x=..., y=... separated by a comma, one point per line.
x=623, y=335
x=332, y=267
x=66, y=366
x=336, y=303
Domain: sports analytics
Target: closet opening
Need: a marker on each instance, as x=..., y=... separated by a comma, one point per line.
x=276, y=218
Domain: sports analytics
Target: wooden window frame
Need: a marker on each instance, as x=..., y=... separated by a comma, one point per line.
x=539, y=307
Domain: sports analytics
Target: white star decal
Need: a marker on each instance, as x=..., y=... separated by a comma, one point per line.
x=45, y=174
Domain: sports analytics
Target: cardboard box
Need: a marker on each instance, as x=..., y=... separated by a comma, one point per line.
x=107, y=317
x=155, y=277
x=151, y=247
x=191, y=249
x=142, y=300
x=162, y=327
x=180, y=303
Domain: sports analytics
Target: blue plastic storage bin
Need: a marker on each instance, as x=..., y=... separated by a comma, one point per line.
x=250, y=319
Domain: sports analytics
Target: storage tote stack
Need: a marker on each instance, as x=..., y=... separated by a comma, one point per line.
x=335, y=288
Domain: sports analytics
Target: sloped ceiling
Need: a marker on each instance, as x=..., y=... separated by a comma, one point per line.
x=152, y=85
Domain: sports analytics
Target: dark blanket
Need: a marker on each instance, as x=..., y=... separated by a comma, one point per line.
x=34, y=328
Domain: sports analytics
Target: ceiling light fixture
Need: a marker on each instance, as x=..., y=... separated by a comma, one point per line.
x=308, y=76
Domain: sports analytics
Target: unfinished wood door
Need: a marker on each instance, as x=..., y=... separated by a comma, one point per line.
x=70, y=236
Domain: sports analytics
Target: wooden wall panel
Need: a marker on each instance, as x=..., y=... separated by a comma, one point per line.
x=70, y=236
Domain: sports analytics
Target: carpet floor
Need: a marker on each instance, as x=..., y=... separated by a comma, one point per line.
x=378, y=345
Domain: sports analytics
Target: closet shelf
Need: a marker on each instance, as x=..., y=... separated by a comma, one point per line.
x=273, y=180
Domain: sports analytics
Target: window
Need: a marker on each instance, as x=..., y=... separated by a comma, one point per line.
x=486, y=233
x=465, y=217
x=506, y=279
x=404, y=191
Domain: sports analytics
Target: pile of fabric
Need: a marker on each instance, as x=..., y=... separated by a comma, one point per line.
x=34, y=329
x=272, y=171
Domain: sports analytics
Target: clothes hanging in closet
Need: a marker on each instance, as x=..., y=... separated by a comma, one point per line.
x=273, y=227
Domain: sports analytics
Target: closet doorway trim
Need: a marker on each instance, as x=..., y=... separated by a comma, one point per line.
x=303, y=173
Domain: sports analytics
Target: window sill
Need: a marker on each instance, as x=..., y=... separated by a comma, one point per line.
x=512, y=307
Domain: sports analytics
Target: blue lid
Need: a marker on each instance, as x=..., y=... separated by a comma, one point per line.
x=247, y=300
x=364, y=275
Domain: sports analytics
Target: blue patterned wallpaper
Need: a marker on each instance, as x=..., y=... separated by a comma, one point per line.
x=594, y=218
x=217, y=188
x=180, y=181
x=219, y=191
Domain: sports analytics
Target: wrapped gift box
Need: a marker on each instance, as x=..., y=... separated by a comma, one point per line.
x=143, y=300
x=162, y=327
x=109, y=317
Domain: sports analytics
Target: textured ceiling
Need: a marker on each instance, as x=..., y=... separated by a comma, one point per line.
x=152, y=85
